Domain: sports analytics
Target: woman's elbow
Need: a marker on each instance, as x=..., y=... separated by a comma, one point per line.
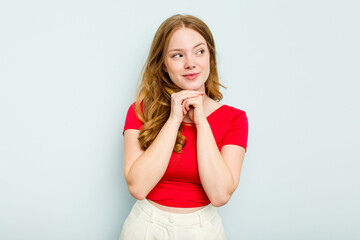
x=137, y=193
x=220, y=201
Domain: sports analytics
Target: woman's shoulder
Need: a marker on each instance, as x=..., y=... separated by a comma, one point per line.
x=231, y=110
x=132, y=106
x=226, y=114
x=233, y=117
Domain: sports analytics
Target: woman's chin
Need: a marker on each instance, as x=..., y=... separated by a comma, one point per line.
x=194, y=88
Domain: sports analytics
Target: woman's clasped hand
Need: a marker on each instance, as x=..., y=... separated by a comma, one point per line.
x=187, y=102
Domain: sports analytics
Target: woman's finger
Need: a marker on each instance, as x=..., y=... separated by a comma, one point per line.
x=184, y=103
x=179, y=99
x=188, y=94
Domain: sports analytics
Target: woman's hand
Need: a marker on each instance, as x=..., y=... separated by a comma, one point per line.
x=194, y=107
x=180, y=104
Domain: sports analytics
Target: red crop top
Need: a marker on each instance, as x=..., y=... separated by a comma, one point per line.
x=180, y=186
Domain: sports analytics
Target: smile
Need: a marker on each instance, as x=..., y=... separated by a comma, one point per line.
x=191, y=76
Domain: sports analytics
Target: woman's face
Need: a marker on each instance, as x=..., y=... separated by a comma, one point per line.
x=188, y=54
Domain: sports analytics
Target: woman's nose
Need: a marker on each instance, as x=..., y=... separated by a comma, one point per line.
x=190, y=62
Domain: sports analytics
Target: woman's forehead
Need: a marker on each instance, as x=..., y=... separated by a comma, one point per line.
x=185, y=38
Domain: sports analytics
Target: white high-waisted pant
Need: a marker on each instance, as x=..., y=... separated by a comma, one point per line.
x=147, y=222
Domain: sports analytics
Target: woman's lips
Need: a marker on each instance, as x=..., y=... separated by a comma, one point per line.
x=191, y=76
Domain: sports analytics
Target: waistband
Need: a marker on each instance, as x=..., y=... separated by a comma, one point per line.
x=179, y=219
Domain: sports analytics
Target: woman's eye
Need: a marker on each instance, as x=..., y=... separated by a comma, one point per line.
x=179, y=55
x=201, y=51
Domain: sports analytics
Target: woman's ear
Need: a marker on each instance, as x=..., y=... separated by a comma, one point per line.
x=164, y=68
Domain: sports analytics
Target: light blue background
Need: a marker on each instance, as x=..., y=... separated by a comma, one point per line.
x=68, y=72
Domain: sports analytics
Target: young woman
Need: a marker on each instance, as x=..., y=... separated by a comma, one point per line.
x=183, y=150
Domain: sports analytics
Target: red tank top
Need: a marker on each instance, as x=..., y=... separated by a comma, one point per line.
x=180, y=186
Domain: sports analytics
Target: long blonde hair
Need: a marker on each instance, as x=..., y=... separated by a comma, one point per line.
x=153, y=100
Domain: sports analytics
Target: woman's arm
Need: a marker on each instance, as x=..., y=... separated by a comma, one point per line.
x=219, y=172
x=144, y=169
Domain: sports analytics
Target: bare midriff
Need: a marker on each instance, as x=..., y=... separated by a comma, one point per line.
x=174, y=209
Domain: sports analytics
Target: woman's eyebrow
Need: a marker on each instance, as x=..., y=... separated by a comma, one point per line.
x=179, y=49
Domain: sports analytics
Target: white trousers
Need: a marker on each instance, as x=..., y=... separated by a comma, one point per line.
x=147, y=222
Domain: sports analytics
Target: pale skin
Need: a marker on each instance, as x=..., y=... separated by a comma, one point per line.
x=219, y=170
